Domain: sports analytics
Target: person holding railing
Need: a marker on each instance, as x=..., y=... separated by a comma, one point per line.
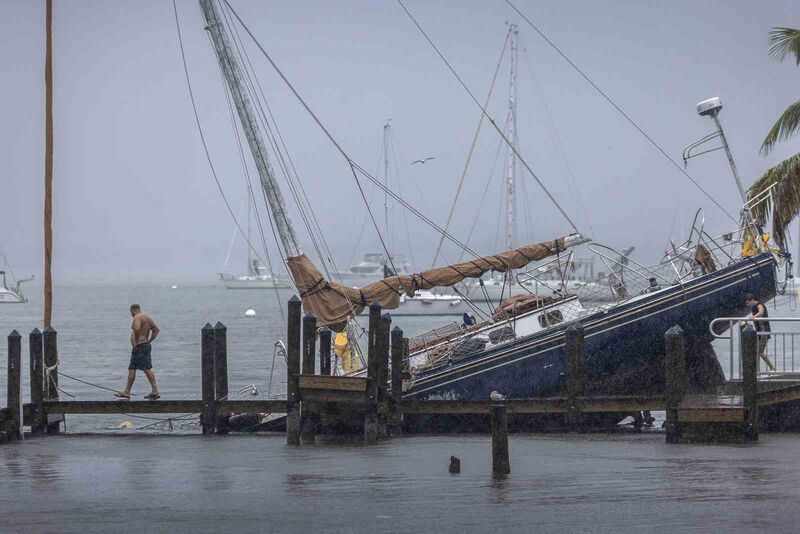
x=757, y=309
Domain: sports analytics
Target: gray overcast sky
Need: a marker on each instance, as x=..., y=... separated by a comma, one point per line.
x=134, y=197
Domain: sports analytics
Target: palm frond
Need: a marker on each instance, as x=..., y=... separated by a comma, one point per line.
x=786, y=126
x=785, y=200
x=784, y=41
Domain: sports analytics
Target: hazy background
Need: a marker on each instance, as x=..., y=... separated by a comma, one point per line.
x=135, y=200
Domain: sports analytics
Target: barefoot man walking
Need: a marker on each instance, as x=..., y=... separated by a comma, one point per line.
x=144, y=332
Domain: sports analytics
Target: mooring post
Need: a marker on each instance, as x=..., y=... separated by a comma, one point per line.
x=750, y=382
x=14, y=386
x=575, y=355
x=675, y=379
x=293, y=372
x=499, y=423
x=221, y=374
x=373, y=374
x=308, y=419
x=38, y=391
x=325, y=351
x=50, y=342
x=396, y=391
x=383, y=375
x=208, y=417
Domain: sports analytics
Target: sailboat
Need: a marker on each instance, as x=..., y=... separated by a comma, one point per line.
x=13, y=294
x=259, y=275
x=519, y=350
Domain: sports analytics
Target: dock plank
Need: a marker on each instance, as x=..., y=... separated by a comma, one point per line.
x=334, y=383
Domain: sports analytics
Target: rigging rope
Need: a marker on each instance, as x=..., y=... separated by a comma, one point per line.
x=483, y=110
x=353, y=165
x=621, y=112
x=471, y=151
x=203, y=138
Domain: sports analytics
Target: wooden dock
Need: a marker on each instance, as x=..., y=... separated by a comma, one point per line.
x=372, y=405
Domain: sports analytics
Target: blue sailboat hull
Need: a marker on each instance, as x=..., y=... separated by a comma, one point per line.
x=622, y=344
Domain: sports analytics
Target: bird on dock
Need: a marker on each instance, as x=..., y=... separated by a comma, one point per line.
x=422, y=161
x=495, y=396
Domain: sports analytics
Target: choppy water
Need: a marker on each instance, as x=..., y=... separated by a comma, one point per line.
x=565, y=483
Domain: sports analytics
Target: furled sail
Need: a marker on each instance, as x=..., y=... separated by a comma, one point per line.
x=332, y=303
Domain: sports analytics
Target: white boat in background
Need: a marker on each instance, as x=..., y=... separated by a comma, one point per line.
x=429, y=303
x=373, y=267
x=258, y=277
x=11, y=295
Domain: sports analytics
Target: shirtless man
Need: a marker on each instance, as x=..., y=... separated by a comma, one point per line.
x=144, y=332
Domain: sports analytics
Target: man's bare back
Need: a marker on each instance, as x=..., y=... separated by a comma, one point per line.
x=144, y=329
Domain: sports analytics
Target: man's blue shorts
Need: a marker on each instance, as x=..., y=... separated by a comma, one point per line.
x=140, y=357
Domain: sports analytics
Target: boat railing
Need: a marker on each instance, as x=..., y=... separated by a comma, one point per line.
x=777, y=345
x=542, y=275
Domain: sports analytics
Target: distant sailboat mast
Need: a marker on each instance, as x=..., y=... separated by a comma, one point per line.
x=232, y=72
x=512, y=136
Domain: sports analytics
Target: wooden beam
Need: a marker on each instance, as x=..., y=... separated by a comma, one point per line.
x=333, y=383
x=123, y=406
x=324, y=395
x=779, y=395
x=711, y=415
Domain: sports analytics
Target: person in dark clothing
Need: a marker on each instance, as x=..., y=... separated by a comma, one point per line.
x=757, y=309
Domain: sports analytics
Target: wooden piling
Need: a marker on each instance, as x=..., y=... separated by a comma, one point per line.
x=14, y=387
x=675, y=379
x=208, y=416
x=750, y=382
x=383, y=374
x=396, y=389
x=575, y=356
x=293, y=372
x=308, y=420
x=221, y=373
x=373, y=373
x=50, y=343
x=325, y=351
x=499, y=424
x=38, y=389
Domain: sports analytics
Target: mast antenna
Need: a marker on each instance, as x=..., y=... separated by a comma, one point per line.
x=249, y=121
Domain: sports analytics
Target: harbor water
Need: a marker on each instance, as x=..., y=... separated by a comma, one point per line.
x=96, y=478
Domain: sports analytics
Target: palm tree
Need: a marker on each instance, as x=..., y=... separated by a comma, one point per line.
x=785, y=176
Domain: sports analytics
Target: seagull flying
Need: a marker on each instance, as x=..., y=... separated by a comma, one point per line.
x=423, y=161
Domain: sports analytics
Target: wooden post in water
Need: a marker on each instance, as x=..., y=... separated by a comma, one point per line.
x=50, y=342
x=575, y=356
x=675, y=379
x=293, y=372
x=750, y=382
x=221, y=373
x=38, y=391
x=383, y=374
x=373, y=374
x=499, y=423
x=308, y=419
x=325, y=351
x=208, y=417
x=48, y=165
x=396, y=390
x=14, y=386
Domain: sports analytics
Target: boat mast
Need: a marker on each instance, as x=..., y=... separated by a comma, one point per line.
x=249, y=252
x=386, y=128
x=512, y=136
x=48, y=167
x=249, y=121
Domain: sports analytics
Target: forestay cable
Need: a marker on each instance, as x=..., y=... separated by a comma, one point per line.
x=491, y=120
x=621, y=112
